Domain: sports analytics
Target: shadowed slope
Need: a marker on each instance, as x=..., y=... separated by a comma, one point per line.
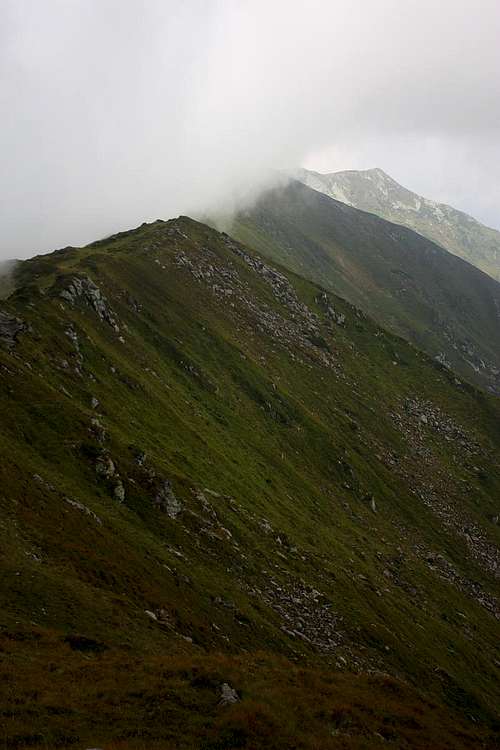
x=375, y=191
x=405, y=282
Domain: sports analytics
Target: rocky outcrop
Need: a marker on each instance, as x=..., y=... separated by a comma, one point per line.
x=323, y=301
x=84, y=289
x=166, y=501
x=228, y=695
x=10, y=328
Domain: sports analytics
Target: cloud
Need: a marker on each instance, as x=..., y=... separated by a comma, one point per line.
x=120, y=111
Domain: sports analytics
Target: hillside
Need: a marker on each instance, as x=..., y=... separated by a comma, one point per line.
x=6, y=278
x=405, y=282
x=234, y=512
x=375, y=191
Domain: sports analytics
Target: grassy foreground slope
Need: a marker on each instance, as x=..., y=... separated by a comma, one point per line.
x=216, y=477
x=403, y=280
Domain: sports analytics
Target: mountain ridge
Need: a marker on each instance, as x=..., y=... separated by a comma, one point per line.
x=406, y=282
x=224, y=483
x=375, y=191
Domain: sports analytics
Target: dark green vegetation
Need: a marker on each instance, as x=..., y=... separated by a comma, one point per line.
x=213, y=472
x=405, y=282
x=375, y=191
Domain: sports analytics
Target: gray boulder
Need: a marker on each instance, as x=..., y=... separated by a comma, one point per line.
x=167, y=501
x=228, y=695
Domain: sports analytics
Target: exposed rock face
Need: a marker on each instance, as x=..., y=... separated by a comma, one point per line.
x=167, y=501
x=10, y=328
x=82, y=287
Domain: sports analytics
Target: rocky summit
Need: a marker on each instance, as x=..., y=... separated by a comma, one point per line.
x=236, y=512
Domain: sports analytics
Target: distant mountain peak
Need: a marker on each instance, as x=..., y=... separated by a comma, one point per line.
x=377, y=174
x=377, y=171
x=376, y=191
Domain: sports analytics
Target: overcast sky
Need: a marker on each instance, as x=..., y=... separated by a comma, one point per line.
x=119, y=111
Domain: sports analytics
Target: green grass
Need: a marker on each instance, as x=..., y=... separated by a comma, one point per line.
x=218, y=402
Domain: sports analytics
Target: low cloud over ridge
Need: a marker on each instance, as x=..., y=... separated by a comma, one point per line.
x=116, y=112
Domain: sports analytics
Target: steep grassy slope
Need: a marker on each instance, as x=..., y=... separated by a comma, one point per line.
x=405, y=282
x=375, y=191
x=213, y=472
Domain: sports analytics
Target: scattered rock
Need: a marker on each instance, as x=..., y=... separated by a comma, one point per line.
x=422, y=415
x=431, y=483
x=119, y=491
x=141, y=458
x=323, y=301
x=443, y=360
x=44, y=483
x=83, y=508
x=228, y=695
x=305, y=612
x=166, y=501
x=295, y=327
x=73, y=337
x=133, y=303
x=97, y=430
x=105, y=467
